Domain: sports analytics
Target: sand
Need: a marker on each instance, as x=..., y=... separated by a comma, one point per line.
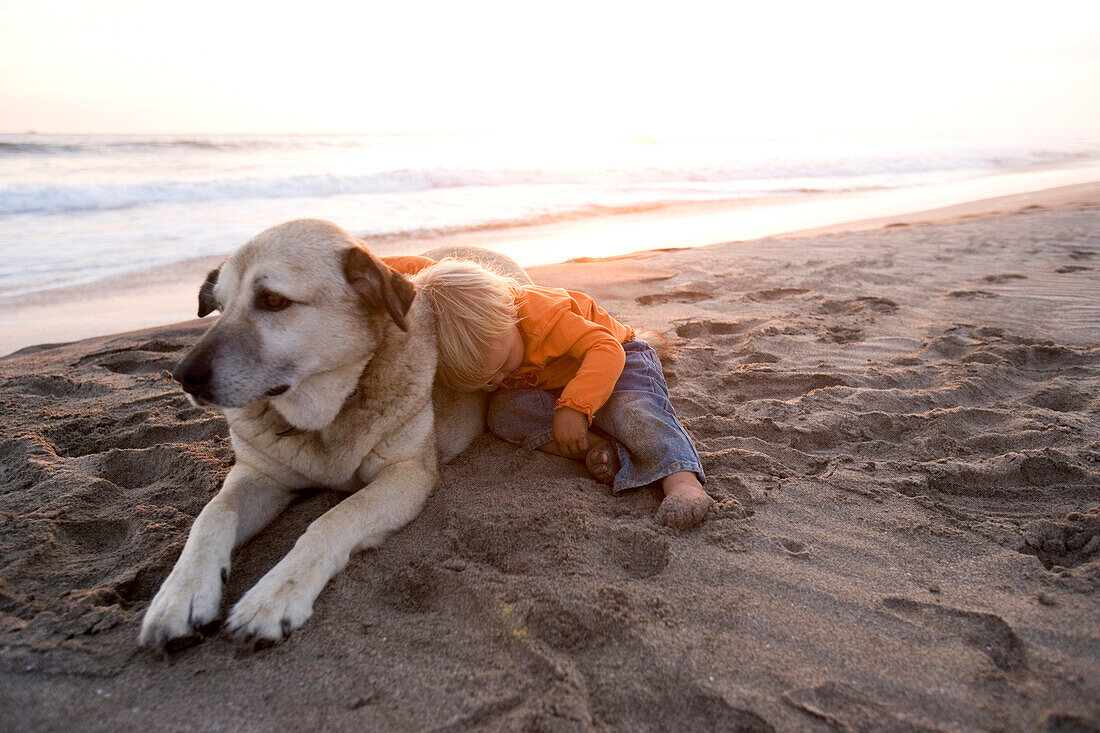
x=900, y=427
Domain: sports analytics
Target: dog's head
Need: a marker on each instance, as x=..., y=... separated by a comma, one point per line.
x=301, y=300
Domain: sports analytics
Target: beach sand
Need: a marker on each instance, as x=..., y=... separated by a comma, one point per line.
x=900, y=426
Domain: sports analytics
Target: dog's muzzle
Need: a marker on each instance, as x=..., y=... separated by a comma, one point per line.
x=194, y=374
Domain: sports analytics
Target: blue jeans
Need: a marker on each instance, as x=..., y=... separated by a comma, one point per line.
x=638, y=418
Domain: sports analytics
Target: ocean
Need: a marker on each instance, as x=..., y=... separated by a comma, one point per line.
x=77, y=208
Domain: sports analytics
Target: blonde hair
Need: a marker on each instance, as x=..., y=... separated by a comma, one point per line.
x=473, y=307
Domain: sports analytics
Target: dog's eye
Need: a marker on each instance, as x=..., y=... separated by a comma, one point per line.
x=272, y=301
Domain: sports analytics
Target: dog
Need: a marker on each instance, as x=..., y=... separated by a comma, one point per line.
x=324, y=362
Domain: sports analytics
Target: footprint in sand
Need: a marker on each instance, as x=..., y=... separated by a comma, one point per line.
x=94, y=536
x=1066, y=723
x=774, y=385
x=841, y=334
x=131, y=363
x=141, y=428
x=1064, y=543
x=517, y=545
x=1073, y=268
x=695, y=329
x=54, y=386
x=415, y=588
x=971, y=294
x=794, y=547
x=640, y=553
x=1041, y=356
x=676, y=296
x=1061, y=396
x=771, y=294
x=140, y=468
x=708, y=709
x=988, y=633
x=757, y=357
x=137, y=359
x=574, y=621
x=842, y=708
x=1003, y=278
x=854, y=306
x=1007, y=475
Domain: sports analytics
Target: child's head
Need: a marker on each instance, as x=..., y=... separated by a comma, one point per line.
x=474, y=309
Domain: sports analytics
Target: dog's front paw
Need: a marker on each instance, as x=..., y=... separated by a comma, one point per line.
x=183, y=609
x=270, y=611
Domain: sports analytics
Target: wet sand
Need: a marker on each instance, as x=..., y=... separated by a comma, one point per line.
x=900, y=426
x=167, y=294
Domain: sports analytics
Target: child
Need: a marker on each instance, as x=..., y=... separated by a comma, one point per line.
x=559, y=364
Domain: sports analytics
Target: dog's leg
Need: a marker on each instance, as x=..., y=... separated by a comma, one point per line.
x=189, y=598
x=459, y=418
x=283, y=599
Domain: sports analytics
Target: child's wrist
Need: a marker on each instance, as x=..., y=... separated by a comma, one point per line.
x=563, y=405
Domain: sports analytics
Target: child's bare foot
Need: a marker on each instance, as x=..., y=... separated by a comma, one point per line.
x=685, y=503
x=602, y=462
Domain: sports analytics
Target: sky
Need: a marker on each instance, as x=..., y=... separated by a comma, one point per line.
x=640, y=68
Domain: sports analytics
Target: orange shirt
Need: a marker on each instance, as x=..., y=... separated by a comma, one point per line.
x=568, y=342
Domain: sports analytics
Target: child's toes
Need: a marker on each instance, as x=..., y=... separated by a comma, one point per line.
x=601, y=464
x=681, y=513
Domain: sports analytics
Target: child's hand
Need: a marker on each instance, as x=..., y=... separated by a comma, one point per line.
x=571, y=431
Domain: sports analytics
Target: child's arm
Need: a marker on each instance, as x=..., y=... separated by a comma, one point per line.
x=602, y=359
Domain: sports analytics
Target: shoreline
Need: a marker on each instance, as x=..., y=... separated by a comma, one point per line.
x=166, y=294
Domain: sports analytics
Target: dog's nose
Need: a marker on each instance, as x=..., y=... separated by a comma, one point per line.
x=193, y=373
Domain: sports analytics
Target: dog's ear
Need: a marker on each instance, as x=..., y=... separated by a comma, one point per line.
x=207, y=303
x=378, y=284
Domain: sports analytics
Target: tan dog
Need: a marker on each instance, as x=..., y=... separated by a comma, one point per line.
x=324, y=362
